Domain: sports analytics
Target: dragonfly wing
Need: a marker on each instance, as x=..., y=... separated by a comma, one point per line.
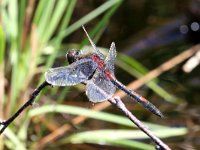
x=99, y=88
x=75, y=73
x=110, y=59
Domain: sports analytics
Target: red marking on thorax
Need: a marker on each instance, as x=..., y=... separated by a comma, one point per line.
x=98, y=60
x=108, y=74
x=101, y=65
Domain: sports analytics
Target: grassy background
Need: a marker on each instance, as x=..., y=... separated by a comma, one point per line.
x=34, y=36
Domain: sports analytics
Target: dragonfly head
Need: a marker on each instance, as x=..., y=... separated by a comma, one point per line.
x=73, y=55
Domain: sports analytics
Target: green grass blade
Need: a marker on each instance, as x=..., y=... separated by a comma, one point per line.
x=14, y=51
x=131, y=144
x=45, y=17
x=2, y=72
x=67, y=17
x=54, y=20
x=109, y=136
x=127, y=134
x=100, y=139
x=39, y=11
x=13, y=18
x=22, y=12
x=16, y=143
x=99, y=28
x=2, y=47
x=61, y=96
x=85, y=112
x=23, y=129
x=88, y=17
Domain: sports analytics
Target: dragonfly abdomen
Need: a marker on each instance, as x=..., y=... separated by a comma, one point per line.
x=148, y=105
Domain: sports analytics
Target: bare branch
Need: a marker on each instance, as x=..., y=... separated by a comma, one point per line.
x=120, y=105
x=6, y=123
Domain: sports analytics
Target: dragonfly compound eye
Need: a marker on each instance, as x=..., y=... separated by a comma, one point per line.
x=72, y=56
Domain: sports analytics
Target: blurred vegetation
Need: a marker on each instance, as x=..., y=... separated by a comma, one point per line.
x=35, y=35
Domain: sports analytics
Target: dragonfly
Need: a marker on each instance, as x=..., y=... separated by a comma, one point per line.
x=97, y=72
x=92, y=69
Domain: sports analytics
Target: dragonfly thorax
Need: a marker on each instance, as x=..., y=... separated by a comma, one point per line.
x=98, y=60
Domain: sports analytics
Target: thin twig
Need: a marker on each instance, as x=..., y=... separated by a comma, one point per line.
x=120, y=105
x=6, y=123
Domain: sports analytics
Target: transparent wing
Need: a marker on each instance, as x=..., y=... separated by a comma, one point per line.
x=99, y=88
x=75, y=73
x=110, y=59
